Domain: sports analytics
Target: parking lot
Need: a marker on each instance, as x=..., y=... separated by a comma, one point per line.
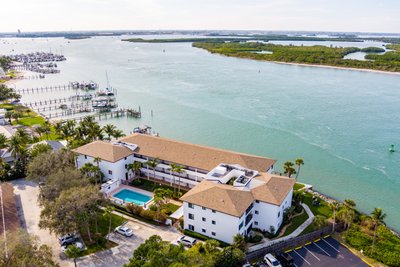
x=325, y=252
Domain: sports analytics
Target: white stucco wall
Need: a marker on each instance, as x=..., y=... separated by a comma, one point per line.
x=118, y=170
x=225, y=228
x=269, y=214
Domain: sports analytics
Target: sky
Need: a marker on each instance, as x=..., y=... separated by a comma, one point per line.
x=300, y=15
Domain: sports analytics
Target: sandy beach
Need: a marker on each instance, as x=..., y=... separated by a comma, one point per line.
x=335, y=67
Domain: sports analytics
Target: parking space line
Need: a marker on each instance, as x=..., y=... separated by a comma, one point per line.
x=322, y=249
x=301, y=257
x=331, y=245
x=312, y=253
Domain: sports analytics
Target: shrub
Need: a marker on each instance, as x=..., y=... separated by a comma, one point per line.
x=160, y=217
x=134, y=209
x=253, y=238
x=153, y=208
x=147, y=214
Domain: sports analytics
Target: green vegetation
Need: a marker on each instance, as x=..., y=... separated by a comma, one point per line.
x=155, y=252
x=240, y=38
x=373, y=50
x=295, y=222
x=322, y=209
x=5, y=62
x=7, y=93
x=151, y=186
x=298, y=186
x=387, y=246
x=25, y=250
x=316, y=55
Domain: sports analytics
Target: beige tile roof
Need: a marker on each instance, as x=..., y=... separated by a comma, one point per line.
x=197, y=156
x=104, y=150
x=220, y=197
x=231, y=200
x=274, y=189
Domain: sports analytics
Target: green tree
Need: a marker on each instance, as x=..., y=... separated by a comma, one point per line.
x=25, y=250
x=230, y=257
x=118, y=134
x=153, y=163
x=3, y=141
x=108, y=211
x=349, y=206
x=378, y=217
x=334, y=205
x=73, y=253
x=135, y=168
x=39, y=149
x=109, y=130
x=16, y=146
x=175, y=168
x=239, y=242
x=299, y=162
x=162, y=195
x=288, y=168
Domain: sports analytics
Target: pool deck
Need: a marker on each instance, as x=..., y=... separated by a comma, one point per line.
x=131, y=188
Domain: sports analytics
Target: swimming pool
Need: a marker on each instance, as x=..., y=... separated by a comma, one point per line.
x=132, y=196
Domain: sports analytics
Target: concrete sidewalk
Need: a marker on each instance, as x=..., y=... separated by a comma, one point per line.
x=295, y=233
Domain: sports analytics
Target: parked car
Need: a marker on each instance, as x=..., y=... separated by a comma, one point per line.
x=285, y=259
x=187, y=241
x=77, y=244
x=67, y=239
x=271, y=261
x=260, y=264
x=123, y=230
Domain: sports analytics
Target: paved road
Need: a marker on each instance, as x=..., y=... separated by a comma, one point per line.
x=26, y=195
x=120, y=254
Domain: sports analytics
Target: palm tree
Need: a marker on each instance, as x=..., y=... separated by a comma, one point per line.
x=16, y=116
x=175, y=168
x=334, y=206
x=46, y=129
x=118, y=134
x=377, y=217
x=288, y=168
x=8, y=116
x=153, y=165
x=97, y=160
x=134, y=167
x=109, y=130
x=25, y=137
x=298, y=162
x=3, y=141
x=108, y=212
x=349, y=206
x=73, y=252
x=16, y=146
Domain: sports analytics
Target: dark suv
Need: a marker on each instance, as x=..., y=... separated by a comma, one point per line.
x=285, y=259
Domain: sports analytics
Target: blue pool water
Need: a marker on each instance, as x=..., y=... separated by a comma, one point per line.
x=133, y=197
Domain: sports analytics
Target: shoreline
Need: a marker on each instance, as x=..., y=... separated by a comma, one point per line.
x=334, y=67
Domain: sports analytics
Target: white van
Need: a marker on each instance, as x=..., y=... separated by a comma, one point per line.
x=271, y=261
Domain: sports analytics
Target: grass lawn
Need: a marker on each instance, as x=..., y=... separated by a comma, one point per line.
x=298, y=186
x=322, y=209
x=30, y=120
x=171, y=208
x=296, y=222
x=150, y=185
x=6, y=106
x=101, y=244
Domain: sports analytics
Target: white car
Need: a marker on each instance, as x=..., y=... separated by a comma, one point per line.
x=67, y=239
x=271, y=261
x=187, y=241
x=78, y=245
x=123, y=230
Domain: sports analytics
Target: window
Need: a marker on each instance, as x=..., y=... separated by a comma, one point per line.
x=203, y=208
x=279, y=214
x=213, y=222
x=126, y=166
x=125, y=158
x=191, y=216
x=109, y=171
x=191, y=205
x=255, y=223
x=213, y=233
x=203, y=219
x=241, y=225
x=257, y=201
x=203, y=230
x=85, y=157
x=191, y=227
x=256, y=211
x=213, y=211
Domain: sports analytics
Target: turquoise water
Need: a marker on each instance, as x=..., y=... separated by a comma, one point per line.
x=132, y=197
x=340, y=121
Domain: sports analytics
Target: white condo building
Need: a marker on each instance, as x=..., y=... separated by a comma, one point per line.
x=230, y=192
